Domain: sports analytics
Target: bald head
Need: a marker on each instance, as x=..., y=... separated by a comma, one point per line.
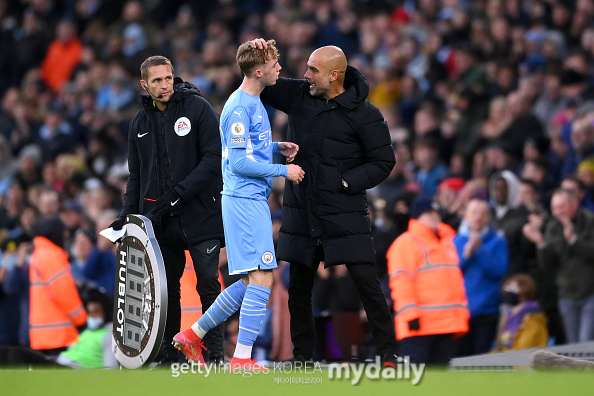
x=332, y=57
x=326, y=69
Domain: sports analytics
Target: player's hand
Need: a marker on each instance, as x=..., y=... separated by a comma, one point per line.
x=288, y=149
x=165, y=204
x=259, y=43
x=295, y=173
x=117, y=225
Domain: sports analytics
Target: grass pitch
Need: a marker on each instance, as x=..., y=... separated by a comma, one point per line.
x=42, y=382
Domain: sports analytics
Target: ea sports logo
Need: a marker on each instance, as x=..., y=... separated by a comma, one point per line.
x=182, y=126
x=267, y=258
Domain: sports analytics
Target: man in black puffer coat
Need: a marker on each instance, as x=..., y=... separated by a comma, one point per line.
x=344, y=149
x=174, y=157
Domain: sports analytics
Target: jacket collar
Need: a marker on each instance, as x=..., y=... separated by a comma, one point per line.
x=181, y=89
x=356, y=89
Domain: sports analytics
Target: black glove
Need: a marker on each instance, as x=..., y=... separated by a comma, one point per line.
x=166, y=203
x=414, y=324
x=118, y=224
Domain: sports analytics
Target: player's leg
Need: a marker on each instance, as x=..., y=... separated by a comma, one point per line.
x=252, y=314
x=190, y=341
x=257, y=237
x=205, y=258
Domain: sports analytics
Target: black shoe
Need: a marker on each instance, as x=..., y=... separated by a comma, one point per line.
x=216, y=359
x=166, y=357
x=390, y=360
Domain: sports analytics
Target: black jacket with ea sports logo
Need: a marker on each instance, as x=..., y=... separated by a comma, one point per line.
x=177, y=148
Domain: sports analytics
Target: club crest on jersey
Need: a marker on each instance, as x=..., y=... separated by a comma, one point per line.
x=182, y=126
x=267, y=258
x=237, y=129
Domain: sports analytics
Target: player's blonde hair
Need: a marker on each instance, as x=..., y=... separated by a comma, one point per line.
x=249, y=57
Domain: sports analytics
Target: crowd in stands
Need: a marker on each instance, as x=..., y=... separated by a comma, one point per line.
x=487, y=101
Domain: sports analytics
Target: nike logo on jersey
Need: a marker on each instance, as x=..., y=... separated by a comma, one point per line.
x=142, y=134
x=209, y=251
x=239, y=114
x=174, y=202
x=259, y=116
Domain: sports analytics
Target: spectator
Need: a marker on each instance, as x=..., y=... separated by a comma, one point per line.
x=16, y=283
x=523, y=324
x=62, y=56
x=483, y=259
x=56, y=309
x=427, y=288
x=447, y=193
x=100, y=266
x=566, y=248
x=430, y=170
x=573, y=184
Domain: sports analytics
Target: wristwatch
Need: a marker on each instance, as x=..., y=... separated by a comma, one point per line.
x=345, y=185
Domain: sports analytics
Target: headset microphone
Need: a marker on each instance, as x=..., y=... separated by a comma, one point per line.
x=150, y=93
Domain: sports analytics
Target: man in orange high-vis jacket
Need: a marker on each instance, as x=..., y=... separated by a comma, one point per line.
x=55, y=306
x=427, y=288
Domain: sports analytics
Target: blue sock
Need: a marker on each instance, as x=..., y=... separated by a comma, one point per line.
x=252, y=314
x=224, y=306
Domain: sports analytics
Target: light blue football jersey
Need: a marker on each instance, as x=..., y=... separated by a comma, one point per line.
x=244, y=125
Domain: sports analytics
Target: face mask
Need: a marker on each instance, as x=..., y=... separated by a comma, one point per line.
x=94, y=323
x=510, y=298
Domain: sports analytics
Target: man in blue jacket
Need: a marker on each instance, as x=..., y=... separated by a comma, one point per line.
x=174, y=158
x=484, y=258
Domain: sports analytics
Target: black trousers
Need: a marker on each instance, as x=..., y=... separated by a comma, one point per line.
x=205, y=257
x=434, y=349
x=368, y=285
x=482, y=331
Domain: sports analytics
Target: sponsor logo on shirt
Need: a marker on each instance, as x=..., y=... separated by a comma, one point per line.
x=182, y=126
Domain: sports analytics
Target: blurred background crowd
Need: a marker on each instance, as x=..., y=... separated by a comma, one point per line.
x=487, y=99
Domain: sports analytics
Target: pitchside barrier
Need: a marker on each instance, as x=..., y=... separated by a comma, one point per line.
x=140, y=309
x=525, y=359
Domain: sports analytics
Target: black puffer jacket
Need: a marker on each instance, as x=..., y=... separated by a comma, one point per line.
x=342, y=138
x=177, y=148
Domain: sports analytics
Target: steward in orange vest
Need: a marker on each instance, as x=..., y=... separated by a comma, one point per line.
x=55, y=306
x=427, y=287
